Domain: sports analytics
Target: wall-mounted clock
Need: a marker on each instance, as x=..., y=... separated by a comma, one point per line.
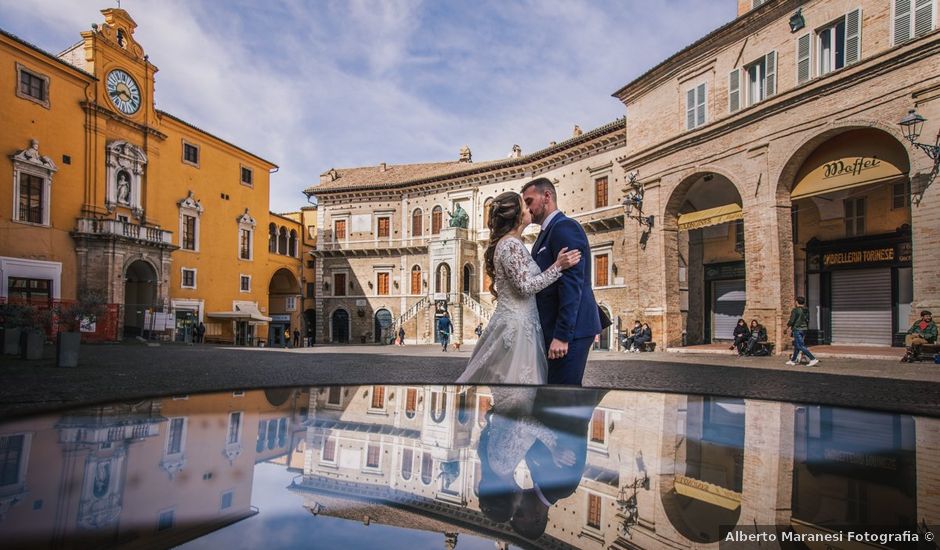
x=123, y=91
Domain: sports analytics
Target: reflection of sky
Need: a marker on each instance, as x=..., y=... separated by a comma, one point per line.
x=283, y=522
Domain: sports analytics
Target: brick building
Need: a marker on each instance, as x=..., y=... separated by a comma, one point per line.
x=762, y=162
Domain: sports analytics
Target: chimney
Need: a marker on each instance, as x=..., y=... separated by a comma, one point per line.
x=329, y=175
x=382, y=167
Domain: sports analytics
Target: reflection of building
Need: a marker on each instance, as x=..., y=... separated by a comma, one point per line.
x=692, y=464
x=772, y=165
x=167, y=470
x=110, y=193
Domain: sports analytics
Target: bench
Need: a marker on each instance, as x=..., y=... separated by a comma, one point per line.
x=925, y=353
x=648, y=346
x=763, y=349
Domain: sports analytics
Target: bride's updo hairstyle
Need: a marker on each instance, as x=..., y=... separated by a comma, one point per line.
x=505, y=215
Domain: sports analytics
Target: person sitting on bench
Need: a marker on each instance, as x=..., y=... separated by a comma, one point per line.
x=628, y=341
x=758, y=335
x=645, y=335
x=741, y=336
x=923, y=331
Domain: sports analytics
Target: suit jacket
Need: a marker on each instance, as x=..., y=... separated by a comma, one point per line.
x=567, y=309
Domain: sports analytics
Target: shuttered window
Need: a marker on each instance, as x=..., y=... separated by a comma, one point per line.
x=594, y=511
x=853, y=36
x=382, y=227
x=695, y=107
x=912, y=18
x=854, y=217
x=416, y=225
x=411, y=402
x=339, y=229
x=339, y=284
x=600, y=192
x=382, y=283
x=378, y=397
x=803, y=58
x=407, y=462
x=601, y=263
x=416, y=280
x=770, y=80
x=598, y=422
x=436, y=220
x=761, y=78
x=372, y=456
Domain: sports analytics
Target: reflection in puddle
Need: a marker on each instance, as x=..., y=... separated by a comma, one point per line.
x=459, y=466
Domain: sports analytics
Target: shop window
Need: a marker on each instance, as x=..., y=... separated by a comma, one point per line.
x=31, y=291
x=854, y=217
x=247, y=176
x=695, y=107
x=32, y=86
x=191, y=154
x=600, y=192
x=189, y=278
x=901, y=195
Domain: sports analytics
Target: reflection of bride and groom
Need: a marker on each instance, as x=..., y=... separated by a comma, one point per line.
x=546, y=317
x=545, y=427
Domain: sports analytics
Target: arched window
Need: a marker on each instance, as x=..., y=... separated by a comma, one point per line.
x=407, y=462
x=486, y=212
x=463, y=408
x=442, y=284
x=282, y=241
x=467, y=278
x=272, y=238
x=411, y=402
x=427, y=463
x=438, y=406
x=416, y=279
x=436, y=216
x=292, y=244
x=416, y=225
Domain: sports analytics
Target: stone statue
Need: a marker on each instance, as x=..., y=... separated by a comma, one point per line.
x=577, y=131
x=516, y=152
x=459, y=217
x=465, y=155
x=123, y=187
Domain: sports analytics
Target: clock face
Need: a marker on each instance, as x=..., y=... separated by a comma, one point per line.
x=123, y=91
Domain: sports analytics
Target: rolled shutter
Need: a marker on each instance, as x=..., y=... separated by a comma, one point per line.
x=861, y=307
x=803, y=58
x=902, y=21
x=770, y=61
x=853, y=36
x=923, y=17
x=734, y=90
x=700, y=105
x=690, y=109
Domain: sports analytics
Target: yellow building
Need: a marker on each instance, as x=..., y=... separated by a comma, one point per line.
x=112, y=194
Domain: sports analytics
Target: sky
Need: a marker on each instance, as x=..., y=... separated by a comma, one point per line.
x=317, y=84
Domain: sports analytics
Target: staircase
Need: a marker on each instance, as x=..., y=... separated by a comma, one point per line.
x=410, y=314
x=481, y=311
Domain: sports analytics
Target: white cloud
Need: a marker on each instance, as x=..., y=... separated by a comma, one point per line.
x=313, y=85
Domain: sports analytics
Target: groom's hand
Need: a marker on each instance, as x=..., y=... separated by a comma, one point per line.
x=557, y=349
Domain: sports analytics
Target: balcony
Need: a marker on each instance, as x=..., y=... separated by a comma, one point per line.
x=328, y=248
x=123, y=230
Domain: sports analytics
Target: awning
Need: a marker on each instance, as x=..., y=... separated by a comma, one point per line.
x=710, y=216
x=708, y=492
x=241, y=312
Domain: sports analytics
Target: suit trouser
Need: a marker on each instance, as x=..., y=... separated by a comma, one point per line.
x=570, y=368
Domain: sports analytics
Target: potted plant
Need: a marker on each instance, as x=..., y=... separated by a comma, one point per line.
x=15, y=320
x=73, y=318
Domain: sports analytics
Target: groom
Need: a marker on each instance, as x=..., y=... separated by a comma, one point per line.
x=567, y=310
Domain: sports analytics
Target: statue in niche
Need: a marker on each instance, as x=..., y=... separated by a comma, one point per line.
x=102, y=479
x=123, y=187
x=459, y=217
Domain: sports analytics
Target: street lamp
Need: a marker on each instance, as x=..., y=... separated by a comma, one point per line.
x=911, y=126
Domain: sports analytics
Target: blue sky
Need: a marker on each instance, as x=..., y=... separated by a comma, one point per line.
x=312, y=85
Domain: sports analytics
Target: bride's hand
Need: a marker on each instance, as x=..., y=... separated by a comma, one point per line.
x=568, y=259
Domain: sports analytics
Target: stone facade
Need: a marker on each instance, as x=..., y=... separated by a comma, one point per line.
x=744, y=119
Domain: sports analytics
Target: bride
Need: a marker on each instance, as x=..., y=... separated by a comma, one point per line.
x=512, y=349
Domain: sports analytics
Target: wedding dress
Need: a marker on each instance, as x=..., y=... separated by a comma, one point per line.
x=512, y=349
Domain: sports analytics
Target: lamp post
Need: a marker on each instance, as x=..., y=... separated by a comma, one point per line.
x=911, y=126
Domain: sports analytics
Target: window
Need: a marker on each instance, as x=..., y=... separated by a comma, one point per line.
x=901, y=195
x=189, y=278
x=12, y=464
x=189, y=233
x=335, y=396
x=382, y=227
x=407, y=463
x=760, y=82
x=292, y=244
x=463, y=408
x=190, y=154
x=31, y=207
x=757, y=3
x=247, y=176
x=831, y=47
x=378, y=397
x=32, y=86
x=226, y=500
x=244, y=244
x=244, y=284
x=599, y=427
x=695, y=107
x=174, y=436
x=416, y=280
x=262, y=435
x=739, y=236
x=282, y=241
x=339, y=284
x=411, y=402
x=329, y=449
x=427, y=463
x=912, y=18
x=311, y=289
x=594, y=511
x=31, y=291
x=600, y=192
x=854, y=217
x=339, y=230
x=601, y=268
x=438, y=406
x=436, y=214
x=290, y=303
x=382, y=283
x=372, y=455
x=416, y=223
x=234, y=428
x=272, y=238
x=165, y=521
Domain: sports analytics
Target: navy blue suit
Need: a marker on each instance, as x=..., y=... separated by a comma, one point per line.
x=567, y=310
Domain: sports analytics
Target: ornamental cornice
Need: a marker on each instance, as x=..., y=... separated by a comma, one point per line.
x=30, y=156
x=92, y=107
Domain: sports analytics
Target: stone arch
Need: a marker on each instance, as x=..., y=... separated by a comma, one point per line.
x=678, y=193
x=442, y=278
x=340, y=326
x=141, y=292
x=383, y=326
x=467, y=278
x=283, y=281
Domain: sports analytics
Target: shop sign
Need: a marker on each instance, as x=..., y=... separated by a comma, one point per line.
x=280, y=318
x=847, y=167
x=732, y=270
x=855, y=257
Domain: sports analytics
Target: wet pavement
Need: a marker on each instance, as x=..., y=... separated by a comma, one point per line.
x=138, y=370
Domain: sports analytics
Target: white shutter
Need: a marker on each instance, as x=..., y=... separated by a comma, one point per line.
x=734, y=90
x=700, y=105
x=923, y=17
x=690, y=109
x=902, y=21
x=853, y=36
x=770, y=62
x=803, y=58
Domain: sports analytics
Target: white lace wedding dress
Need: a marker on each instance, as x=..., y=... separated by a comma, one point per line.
x=512, y=349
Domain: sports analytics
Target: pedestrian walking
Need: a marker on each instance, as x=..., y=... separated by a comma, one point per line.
x=798, y=325
x=296, y=338
x=200, y=332
x=479, y=330
x=401, y=336
x=444, y=328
